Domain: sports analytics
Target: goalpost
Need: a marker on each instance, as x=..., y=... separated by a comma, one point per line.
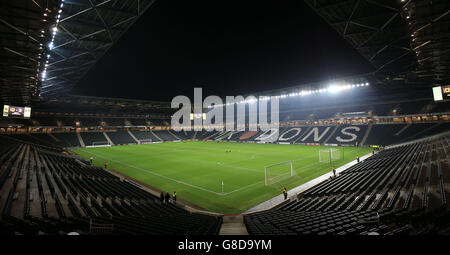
x=278, y=172
x=100, y=144
x=329, y=155
x=145, y=141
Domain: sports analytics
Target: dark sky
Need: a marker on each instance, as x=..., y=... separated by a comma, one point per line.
x=225, y=47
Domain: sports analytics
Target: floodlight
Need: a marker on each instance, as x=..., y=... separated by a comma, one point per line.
x=334, y=89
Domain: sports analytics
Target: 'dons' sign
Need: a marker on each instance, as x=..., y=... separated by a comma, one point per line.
x=290, y=134
x=317, y=134
x=348, y=134
x=227, y=135
x=267, y=135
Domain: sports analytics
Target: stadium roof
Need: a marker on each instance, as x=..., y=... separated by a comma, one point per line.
x=408, y=42
x=95, y=105
x=47, y=46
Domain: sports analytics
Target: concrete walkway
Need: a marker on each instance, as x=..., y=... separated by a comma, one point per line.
x=292, y=194
x=233, y=225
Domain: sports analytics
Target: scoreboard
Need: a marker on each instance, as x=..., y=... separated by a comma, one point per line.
x=441, y=93
x=16, y=111
x=446, y=92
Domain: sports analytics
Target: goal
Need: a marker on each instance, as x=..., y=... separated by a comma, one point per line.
x=278, y=172
x=145, y=141
x=329, y=155
x=100, y=144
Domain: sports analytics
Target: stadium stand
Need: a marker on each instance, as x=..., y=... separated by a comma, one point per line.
x=384, y=134
x=291, y=134
x=67, y=139
x=89, y=122
x=348, y=134
x=34, y=139
x=145, y=135
x=114, y=122
x=397, y=191
x=67, y=121
x=138, y=122
x=316, y=134
x=165, y=135
x=342, y=134
x=121, y=137
x=46, y=121
x=93, y=138
x=182, y=135
x=49, y=193
x=400, y=190
x=203, y=135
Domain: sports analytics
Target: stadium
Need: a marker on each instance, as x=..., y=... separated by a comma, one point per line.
x=360, y=154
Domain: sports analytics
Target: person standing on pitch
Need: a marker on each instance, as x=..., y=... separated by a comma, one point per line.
x=91, y=159
x=106, y=165
x=285, y=193
x=174, y=197
x=334, y=171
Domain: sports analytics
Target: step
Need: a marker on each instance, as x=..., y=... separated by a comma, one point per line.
x=233, y=225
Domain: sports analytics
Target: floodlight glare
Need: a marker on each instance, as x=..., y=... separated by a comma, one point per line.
x=334, y=89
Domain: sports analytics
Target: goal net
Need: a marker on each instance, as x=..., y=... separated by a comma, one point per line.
x=278, y=172
x=329, y=155
x=145, y=141
x=99, y=144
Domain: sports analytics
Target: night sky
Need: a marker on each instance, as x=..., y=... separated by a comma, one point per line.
x=225, y=47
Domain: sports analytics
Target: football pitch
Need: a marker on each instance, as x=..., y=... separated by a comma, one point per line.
x=196, y=170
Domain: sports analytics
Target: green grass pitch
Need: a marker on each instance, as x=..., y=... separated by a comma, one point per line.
x=196, y=169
